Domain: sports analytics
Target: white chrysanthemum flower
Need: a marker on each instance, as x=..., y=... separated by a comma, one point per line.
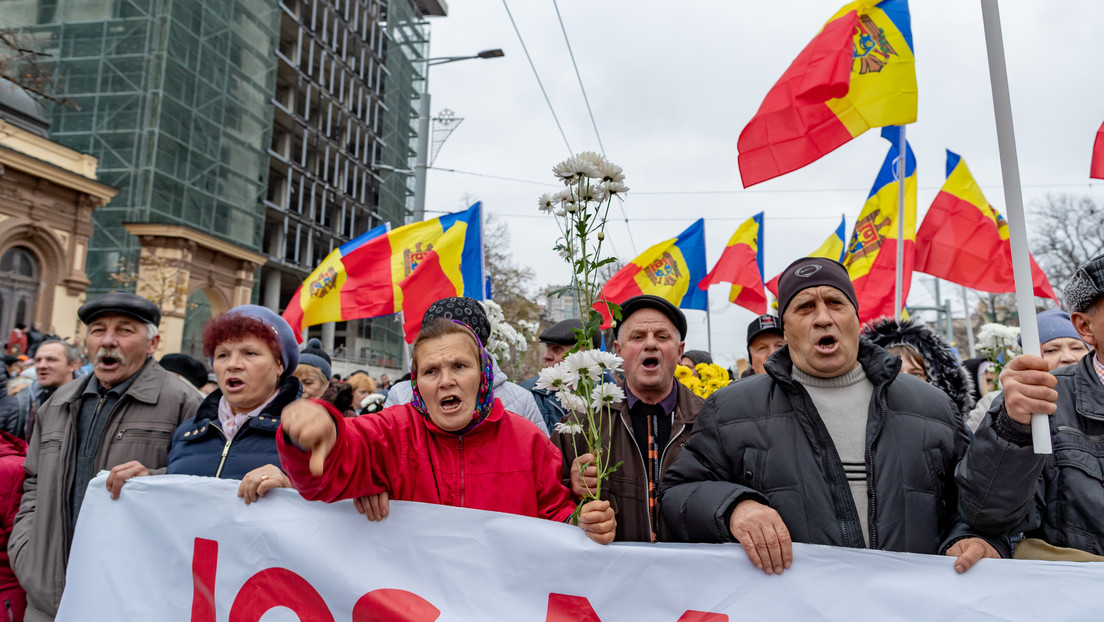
x=552, y=378
x=546, y=202
x=593, y=157
x=608, y=171
x=574, y=168
x=568, y=428
x=571, y=402
x=593, y=193
x=584, y=363
x=609, y=361
x=606, y=394
x=564, y=254
x=615, y=188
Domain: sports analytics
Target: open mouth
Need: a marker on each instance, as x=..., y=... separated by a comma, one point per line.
x=450, y=404
x=826, y=344
x=650, y=362
x=233, y=384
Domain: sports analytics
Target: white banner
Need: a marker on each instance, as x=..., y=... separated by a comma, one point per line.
x=171, y=542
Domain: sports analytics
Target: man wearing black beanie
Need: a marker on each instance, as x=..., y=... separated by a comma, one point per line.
x=831, y=446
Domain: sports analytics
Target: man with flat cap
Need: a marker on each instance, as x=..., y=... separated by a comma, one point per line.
x=832, y=445
x=647, y=429
x=1056, y=499
x=558, y=340
x=119, y=417
x=764, y=338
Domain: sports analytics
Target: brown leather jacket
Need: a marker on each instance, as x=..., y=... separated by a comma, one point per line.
x=140, y=428
x=627, y=488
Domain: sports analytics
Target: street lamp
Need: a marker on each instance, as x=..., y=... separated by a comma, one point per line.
x=496, y=53
x=422, y=157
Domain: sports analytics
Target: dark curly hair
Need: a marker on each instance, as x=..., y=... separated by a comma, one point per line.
x=233, y=327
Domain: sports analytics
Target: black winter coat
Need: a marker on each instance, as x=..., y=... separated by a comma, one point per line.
x=1007, y=488
x=761, y=438
x=198, y=444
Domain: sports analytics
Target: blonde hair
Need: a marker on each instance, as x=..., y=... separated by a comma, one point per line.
x=363, y=382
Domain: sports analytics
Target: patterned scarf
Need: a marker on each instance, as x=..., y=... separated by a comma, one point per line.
x=484, y=401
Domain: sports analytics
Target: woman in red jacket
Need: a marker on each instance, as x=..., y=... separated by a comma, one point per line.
x=454, y=444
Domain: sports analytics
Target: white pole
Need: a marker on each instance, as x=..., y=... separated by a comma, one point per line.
x=969, y=322
x=898, y=285
x=1017, y=224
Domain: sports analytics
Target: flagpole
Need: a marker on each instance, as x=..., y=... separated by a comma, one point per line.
x=1017, y=224
x=969, y=323
x=898, y=288
x=708, y=329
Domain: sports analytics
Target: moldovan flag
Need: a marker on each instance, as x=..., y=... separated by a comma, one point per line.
x=964, y=239
x=871, y=258
x=833, y=248
x=1096, y=169
x=669, y=270
x=858, y=72
x=741, y=264
x=361, y=278
x=436, y=276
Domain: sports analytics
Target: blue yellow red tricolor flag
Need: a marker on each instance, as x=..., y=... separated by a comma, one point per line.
x=669, y=270
x=833, y=248
x=964, y=239
x=741, y=264
x=871, y=257
x=857, y=73
x=431, y=280
x=362, y=278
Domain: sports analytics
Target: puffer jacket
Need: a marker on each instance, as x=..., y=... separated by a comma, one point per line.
x=1005, y=487
x=504, y=464
x=199, y=446
x=763, y=439
x=627, y=487
x=514, y=398
x=550, y=408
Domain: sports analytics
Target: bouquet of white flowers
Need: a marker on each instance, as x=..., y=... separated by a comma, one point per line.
x=999, y=343
x=581, y=380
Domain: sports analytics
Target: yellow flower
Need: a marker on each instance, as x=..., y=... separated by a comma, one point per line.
x=682, y=371
x=703, y=370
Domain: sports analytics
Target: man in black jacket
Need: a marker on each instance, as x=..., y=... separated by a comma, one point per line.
x=831, y=446
x=1056, y=498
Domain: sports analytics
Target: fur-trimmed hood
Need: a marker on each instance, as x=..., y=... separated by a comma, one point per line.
x=945, y=370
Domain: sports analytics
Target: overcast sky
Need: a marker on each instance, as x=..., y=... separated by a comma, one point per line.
x=673, y=84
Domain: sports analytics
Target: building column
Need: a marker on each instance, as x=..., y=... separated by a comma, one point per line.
x=328, y=330
x=272, y=281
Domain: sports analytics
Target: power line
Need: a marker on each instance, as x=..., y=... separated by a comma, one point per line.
x=590, y=112
x=517, y=179
x=579, y=77
x=537, y=76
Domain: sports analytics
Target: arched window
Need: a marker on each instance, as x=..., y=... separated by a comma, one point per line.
x=19, y=283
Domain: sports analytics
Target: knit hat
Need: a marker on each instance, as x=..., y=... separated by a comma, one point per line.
x=698, y=357
x=465, y=310
x=810, y=272
x=1055, y=324
x=289, y=346
x=315, y=356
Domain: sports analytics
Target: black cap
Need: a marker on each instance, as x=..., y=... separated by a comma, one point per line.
x=648, y=301
x=762, y=325
x=123, y=303
x=810, y=272
x=561, y=333
x=191, y=369
x=1085, y=286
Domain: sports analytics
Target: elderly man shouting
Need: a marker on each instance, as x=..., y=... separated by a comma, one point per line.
x=831, y=446
x=648, y=428
x=120, y=417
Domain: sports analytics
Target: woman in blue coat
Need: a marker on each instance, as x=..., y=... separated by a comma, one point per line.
x=253, y=354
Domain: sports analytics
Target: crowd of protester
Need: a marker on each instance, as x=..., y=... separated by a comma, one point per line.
x=875, y=437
